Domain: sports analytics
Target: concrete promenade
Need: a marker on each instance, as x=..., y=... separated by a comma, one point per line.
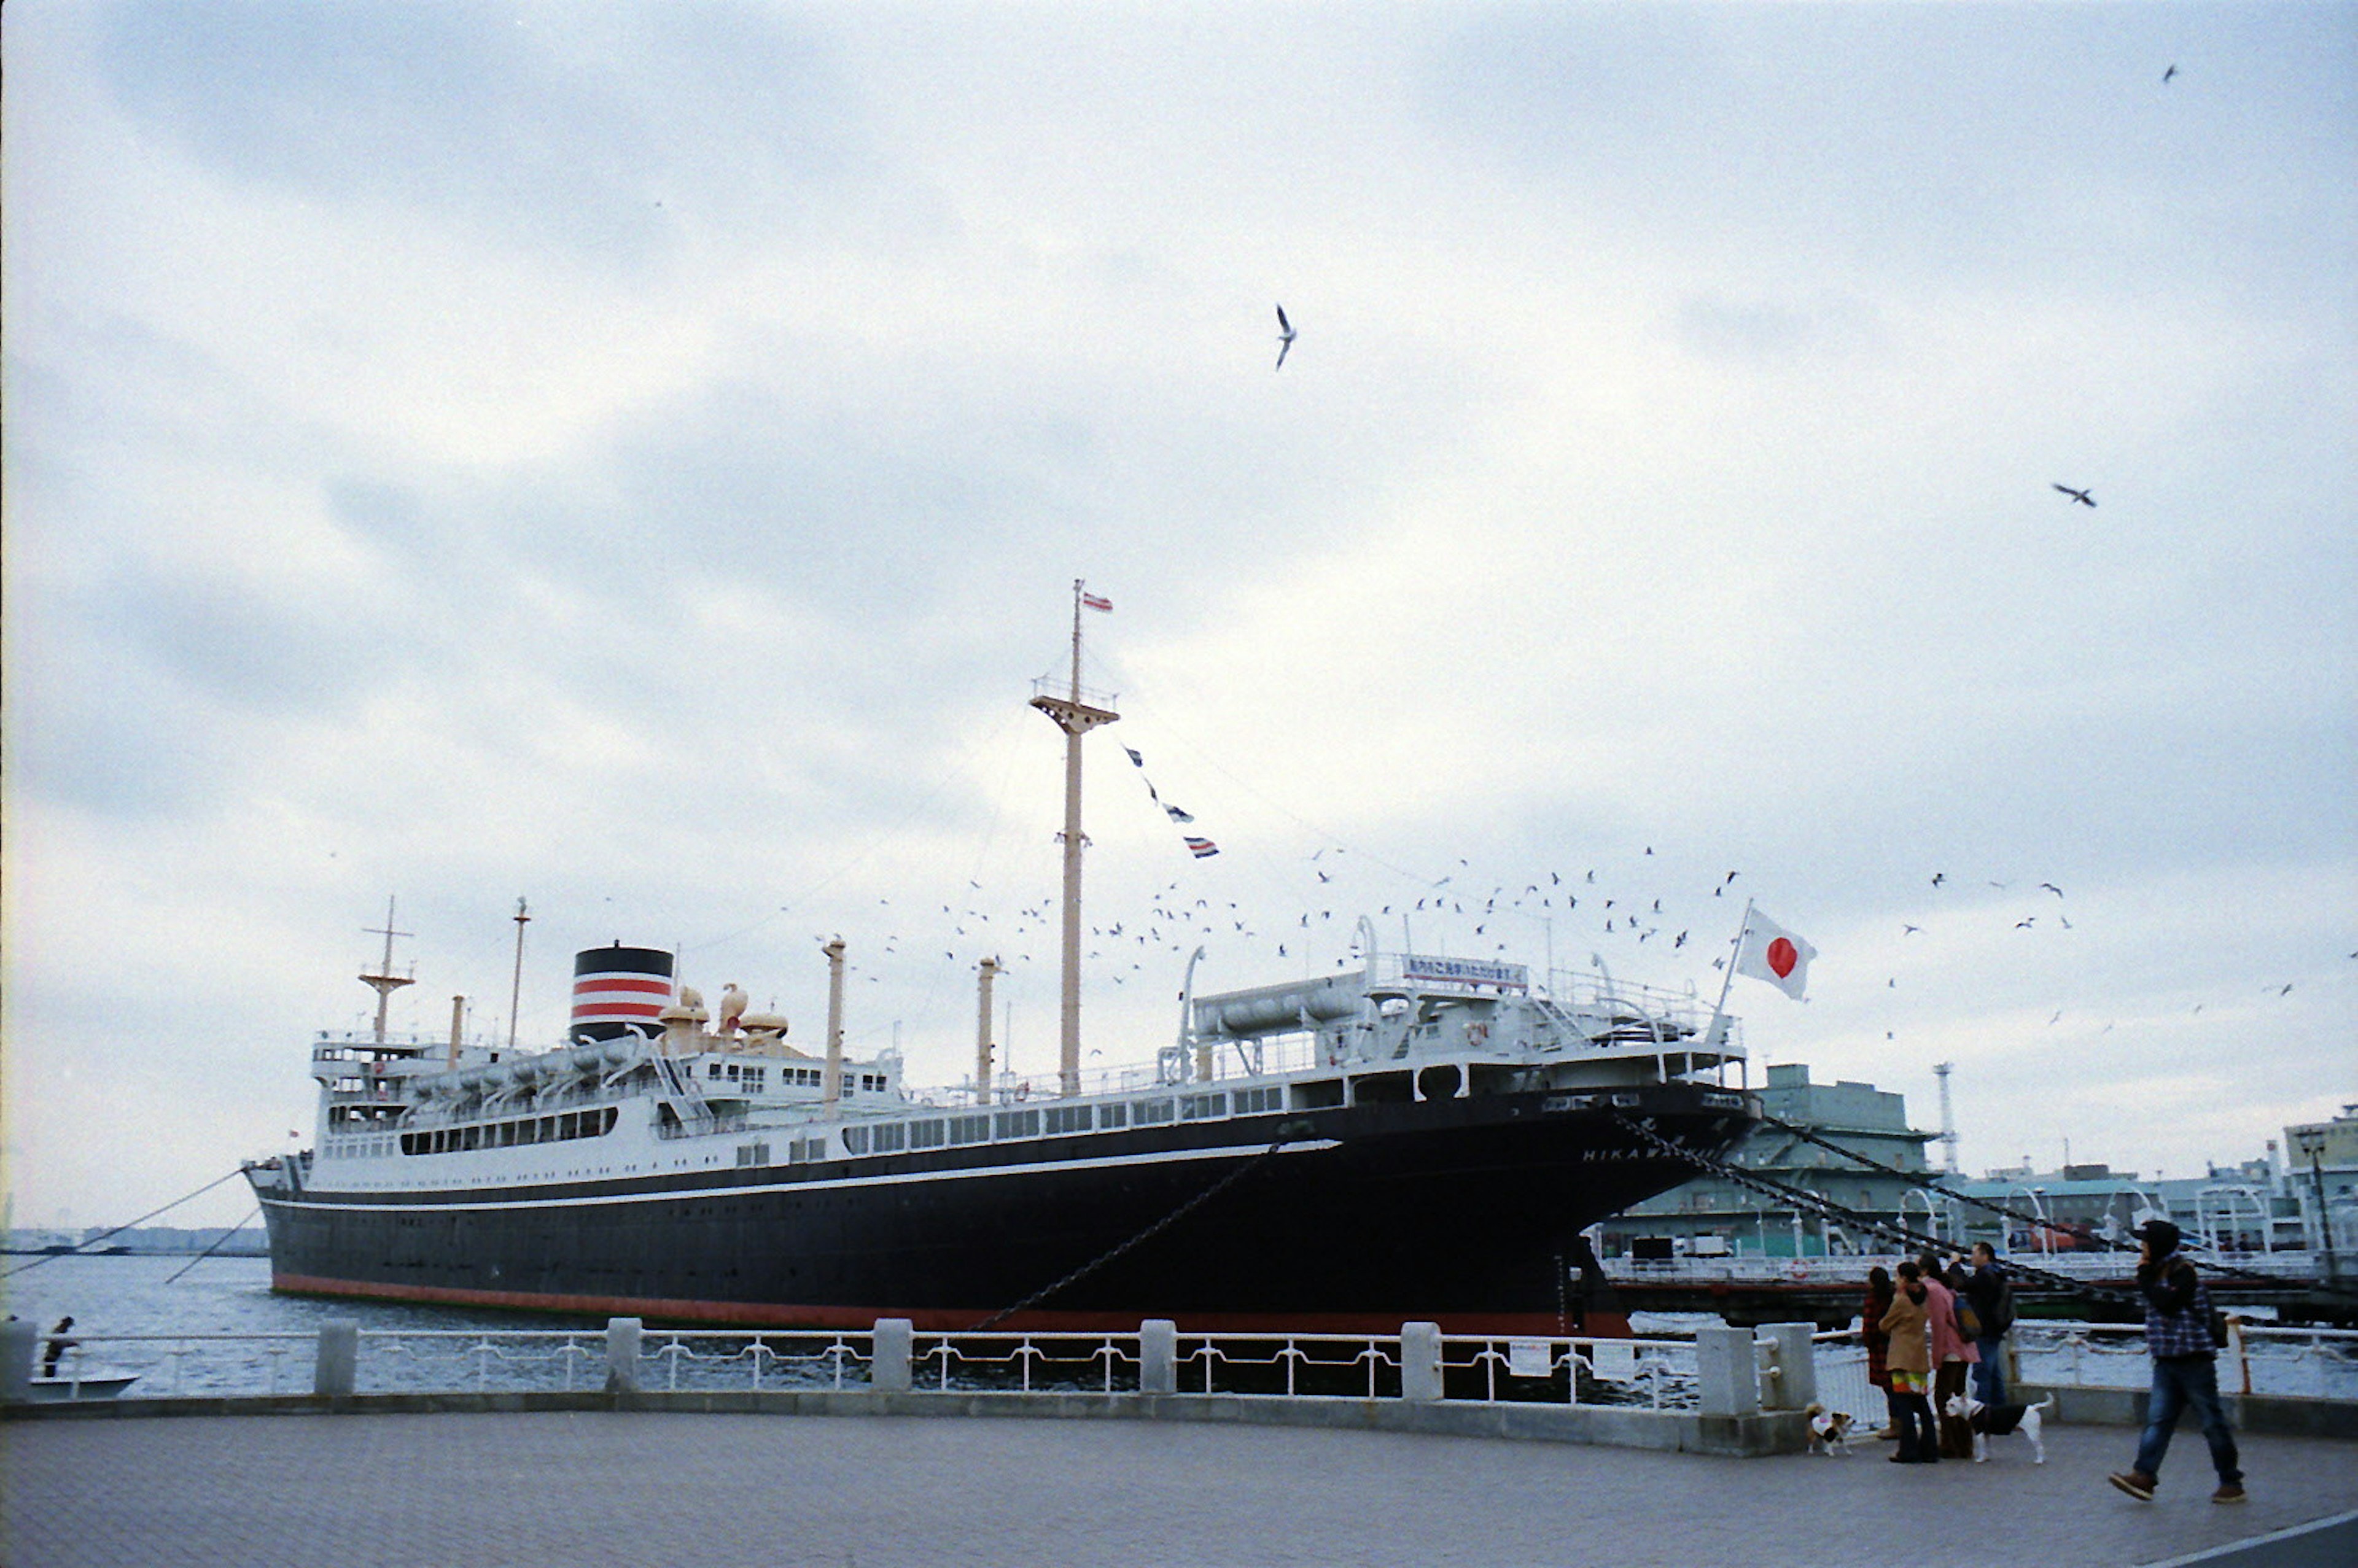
x=583, y=1488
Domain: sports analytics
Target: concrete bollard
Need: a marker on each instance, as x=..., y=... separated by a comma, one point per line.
x=1421, y=1362
x=1795, y=1387
x=890, y=1372
x=20, y=1341
x=1158, y=1356
x=337, y=1371
x=1729, y=1376
x=623, y=1336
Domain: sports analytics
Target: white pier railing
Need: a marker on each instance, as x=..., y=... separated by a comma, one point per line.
x=2259, y=1359
x=1658, y=1373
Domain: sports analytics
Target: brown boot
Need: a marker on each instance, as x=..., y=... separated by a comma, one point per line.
x=2135, y=1483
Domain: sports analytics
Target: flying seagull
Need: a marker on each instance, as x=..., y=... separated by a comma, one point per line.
x=2081, y=496
x=2167, y=74
x=1284, y=335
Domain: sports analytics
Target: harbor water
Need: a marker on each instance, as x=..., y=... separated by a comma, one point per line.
x=128, y=1309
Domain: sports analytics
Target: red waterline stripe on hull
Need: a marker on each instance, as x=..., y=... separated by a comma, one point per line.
x=938, y=1320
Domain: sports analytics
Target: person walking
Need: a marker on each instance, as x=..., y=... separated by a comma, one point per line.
x=1992, y=1295
x=1952, y=1353
x=1908, y=1359
x=2185, y=1367
x=1878, y=1343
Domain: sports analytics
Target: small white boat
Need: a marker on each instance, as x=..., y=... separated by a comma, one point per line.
x=88, y=1385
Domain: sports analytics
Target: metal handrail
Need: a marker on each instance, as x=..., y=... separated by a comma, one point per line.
x=1658, y=1372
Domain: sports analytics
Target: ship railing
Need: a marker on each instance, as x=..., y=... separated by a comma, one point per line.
x=706, y=1125
x=1231, y=1059
x=1061, y=1362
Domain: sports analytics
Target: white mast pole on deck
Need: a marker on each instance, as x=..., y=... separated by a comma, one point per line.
x=516, y=990
x=384, y=982
x=1075, y=718
x=1713, y=1034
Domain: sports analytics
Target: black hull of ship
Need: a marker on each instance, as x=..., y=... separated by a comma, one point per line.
x=1462, y=1212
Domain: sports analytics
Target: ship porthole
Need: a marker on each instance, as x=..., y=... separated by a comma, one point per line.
x=1439, y=1083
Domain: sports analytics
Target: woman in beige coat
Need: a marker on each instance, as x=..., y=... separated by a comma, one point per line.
x=1910, y=1361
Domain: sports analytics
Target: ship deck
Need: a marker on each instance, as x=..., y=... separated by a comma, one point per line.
x=587, y=1489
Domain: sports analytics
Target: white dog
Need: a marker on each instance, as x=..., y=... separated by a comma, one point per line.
x=1829, y=1432
x=1996, y=1421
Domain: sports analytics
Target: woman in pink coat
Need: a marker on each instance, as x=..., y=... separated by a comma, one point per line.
x=1953, y=1352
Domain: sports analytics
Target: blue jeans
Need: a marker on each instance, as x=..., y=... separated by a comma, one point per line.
x=1989, y=1372
x=2178, y=1382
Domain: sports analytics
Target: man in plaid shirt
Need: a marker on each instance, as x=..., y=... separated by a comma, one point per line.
x=2184, y=1366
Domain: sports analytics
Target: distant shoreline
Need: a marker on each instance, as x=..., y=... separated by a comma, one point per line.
x=240, y=1251
x=145, y=1241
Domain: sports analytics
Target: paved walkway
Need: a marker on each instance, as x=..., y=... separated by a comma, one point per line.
x=585, y=1489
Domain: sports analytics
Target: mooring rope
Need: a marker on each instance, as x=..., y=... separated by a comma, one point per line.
x=995, y=1319
x=1826, y=1208
x=1926, y=1181
x=119, y=1230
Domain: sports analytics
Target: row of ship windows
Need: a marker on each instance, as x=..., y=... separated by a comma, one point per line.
x=981, y=1127
x=883, y=1138
x=749, y=1076
x=558, y=1129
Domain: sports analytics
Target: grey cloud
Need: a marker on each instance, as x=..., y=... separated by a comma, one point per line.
x=92, y=730
x=1939, y=141
x=242, y=648
x=520, y=123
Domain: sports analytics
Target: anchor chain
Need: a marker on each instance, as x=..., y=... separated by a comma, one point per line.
x=1924, y=1181
x=1826, y=1208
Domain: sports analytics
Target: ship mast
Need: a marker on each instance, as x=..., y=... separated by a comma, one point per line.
x=516, y=990
x=384, y=982
x=1075, y=718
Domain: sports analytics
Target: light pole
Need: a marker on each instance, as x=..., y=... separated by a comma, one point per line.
x=2039, y=1207
x=2314, y=1149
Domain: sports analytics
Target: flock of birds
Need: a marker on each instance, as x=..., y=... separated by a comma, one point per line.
x=1181, y=916
x=1629, y=911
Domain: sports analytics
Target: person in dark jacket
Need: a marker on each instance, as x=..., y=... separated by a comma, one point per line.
x=59, y=1344
x=1871, y=1334
x=2185, y=1367
x=1986, y=1290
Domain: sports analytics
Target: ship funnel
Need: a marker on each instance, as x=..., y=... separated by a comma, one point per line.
x=620, y=991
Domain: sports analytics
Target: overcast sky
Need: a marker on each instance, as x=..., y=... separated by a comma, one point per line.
x=637, y=458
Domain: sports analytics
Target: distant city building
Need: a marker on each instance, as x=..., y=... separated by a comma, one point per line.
x=2303, y=1199
x=2323, y=1171
x=2306, y=1203
x=1712, y=1217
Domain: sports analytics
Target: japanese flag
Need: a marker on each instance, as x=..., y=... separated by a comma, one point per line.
x=1771, y=953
